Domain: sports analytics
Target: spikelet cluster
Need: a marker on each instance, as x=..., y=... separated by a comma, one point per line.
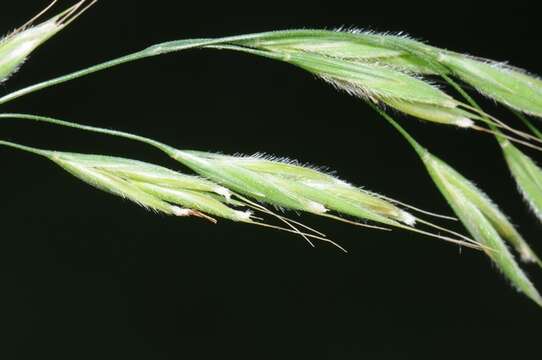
x=152, y=186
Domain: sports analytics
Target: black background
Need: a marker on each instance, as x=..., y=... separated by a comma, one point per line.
x=86, y=275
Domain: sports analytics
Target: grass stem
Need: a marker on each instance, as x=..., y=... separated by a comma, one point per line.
x=27, y=149
x=163, y=147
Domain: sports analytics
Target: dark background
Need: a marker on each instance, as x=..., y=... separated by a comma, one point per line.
x=86, y=275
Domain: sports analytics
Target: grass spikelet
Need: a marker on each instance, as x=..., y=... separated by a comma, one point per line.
x=378, y=83
x=527, y=174
x=150, y=186
x=508, y=85
x=17, y=46
x=294, y=187
x=480, y=216
x=301, y=188
x=484, y=222
x=369, y=69
x=491, y=211
x=336, y=44
x=505, y=84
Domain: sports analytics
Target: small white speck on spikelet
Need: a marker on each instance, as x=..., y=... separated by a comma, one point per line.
x=177, y=211
x=464, y=123
x=317, y=208
x=244, y=215
x=223, y=192
x=408, y=218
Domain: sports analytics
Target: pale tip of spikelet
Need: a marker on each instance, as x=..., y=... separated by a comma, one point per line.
x=244, y=215
x=317, y=208
x=464, y=123
x=526, y=254
x=341, y=182
x=177, y=211
x=451, y=103
x=223, y=192
x=407, y=218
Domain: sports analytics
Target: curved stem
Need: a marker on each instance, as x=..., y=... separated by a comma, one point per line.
x=154, y=50
x=163, y=147
x=474, y=104
x=73, y=76
x=500, y=137
x=25, y=148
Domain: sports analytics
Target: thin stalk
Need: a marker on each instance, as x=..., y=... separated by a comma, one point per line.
x=27, y=149
x=73, y=76
x=501, y=139
x=155, y=50
x=527, y=123
x=494, y=129
x=420, y=150
x=160, y=146
x=473, y=103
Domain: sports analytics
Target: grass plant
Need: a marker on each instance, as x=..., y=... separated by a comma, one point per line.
x=389, y=72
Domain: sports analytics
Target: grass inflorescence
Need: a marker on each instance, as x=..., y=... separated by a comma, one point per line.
x=389, y=72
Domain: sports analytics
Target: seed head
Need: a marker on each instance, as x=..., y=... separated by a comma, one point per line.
x=363, y=69
x=484, y=221
x=291, y=186
x=378, y=54
x=152, y=186
x=335, y=44
x=16, y=47
x=505, y=84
